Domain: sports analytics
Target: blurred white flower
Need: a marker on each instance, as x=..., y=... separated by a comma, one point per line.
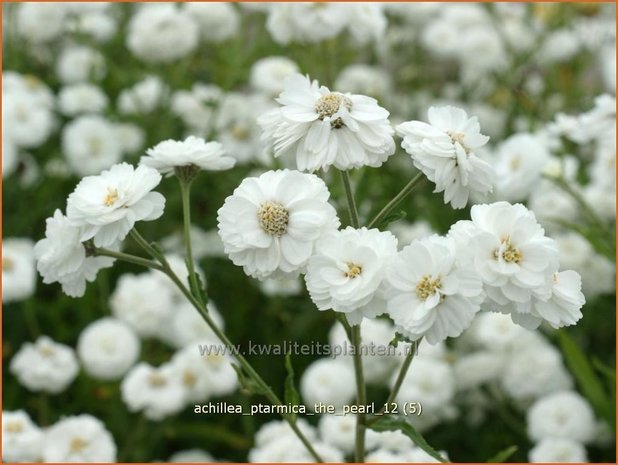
x=514, y=258
x=563, y=414
x=444, y=151
x=271, y=223
x=428, y=294
x=143, y=97
x=81, y=438
x=193, y=151
x=143, y=303
x=186, y=326
x=78, y=63
x=196, y=107
x=346, y=270
x=339, y=431
x=559, y=46
x=364, y=79
x=130, y=137
x=558, y=450
x=324, y=128
x=306, y=22
x=39, y=23
x=61, y=257
x=328, y=381
x=27, y=119
x=268, y=75
x=407, y=233
x=90, y=145
x=81, y=98
x=495, y=331
x=107, y=348
x=289, y=449
x=156, y=391
x=276, y=429
x=108, y=205
x=161, y=33
x=281, y=287
x=477, y=368
x=204, y=376
x=518, y=166
x=21, y=438
x=45, y=366
x=217, y=21
x=366, y=21
x=10, y=155
x=191, y=456
x=18, y=269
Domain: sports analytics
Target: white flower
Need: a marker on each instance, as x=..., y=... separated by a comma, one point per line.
x=273, y=430
x=558, y=450
x=45, y=366
x=516, y=261
x=158, y=392
x=428, y=294
x=339, y=431
x=107, y=348
x=271, y=223
x=364, y=79
x=407, y=233
x=281, y=287
x=90, y=145
x=143, y=303
x=27, y=119
x=306, y=22
x=82, y=98
x=269, y=74
x=77, y=63
x=366, y=21
x=346, y=271
x=130, y=137
x=196, y=107
x=81, y=438
x=217, y=21
x=21, y=438
x=161, y=33
x=563, y=308
x=328, y=381
x=39, y=23
x=61, y=257
x=324, y=128
x=204, y=376
x=444, y=151
x=187, y=326
x=169, y=154
x=478, y=368
x=143, y=97
x=108, y=205
x=563, y=414
x=10, y=155
x=289, y=449
x=495, y=331
x=18, y=271
x=520, y=162
x=533, y=371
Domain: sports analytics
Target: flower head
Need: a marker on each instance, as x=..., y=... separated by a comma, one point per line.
x=107, y=206
x=444, y=150
x=324, y=128
x=81, y=438
x=271, y=223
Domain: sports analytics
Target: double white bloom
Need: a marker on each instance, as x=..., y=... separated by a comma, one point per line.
x=323, y=128
x=444, y=150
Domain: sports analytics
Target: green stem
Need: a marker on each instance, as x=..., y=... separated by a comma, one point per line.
x=100, y=252
x=403, y=371
x=202, y=310
x=361, y=394
x=345, y=177
x=185, y=189
x=396, y=200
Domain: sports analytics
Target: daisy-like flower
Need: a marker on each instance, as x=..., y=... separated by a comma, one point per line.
x=21, y=438
x=107, y=206
x=171, y=154
x=346, y=271
x=82, y=438
x=323, y=128
x=517, y=263
x=271, y=223
x=444, y=151
x=61, y=257
x=18, y=273
x=428, y=294
x=563, y=308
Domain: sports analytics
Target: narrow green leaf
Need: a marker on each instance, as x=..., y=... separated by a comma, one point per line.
x=587, y=379
x=389, y=423
x=503, y=455
x=291, y=394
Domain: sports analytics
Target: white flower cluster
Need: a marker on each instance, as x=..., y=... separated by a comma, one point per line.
x=81, y=438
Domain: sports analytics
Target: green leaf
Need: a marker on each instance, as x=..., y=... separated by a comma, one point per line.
x=391, y=218
x=503, y=455
x=247, y=383
x=587, y=379
x=400, y=338
x=389, y=423
x=198, y=290
x=290, y=395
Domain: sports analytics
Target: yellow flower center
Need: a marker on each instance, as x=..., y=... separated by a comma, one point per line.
x=508, y=251
x=46, y=351
x=14, y=427
x=7, y=264
x=427, y=286
x=353, y=270
x=77, y=445
x=329, y=104
x=156, y=380
x=240, y=132
x=273, y=218
x=457, y=137
x=111, y=197
x=188, y=378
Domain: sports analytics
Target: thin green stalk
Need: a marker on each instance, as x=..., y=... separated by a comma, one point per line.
x=202, y=310
x=396, y=200
x=403, y=371
x=100, y=252
x=361, y=395
x=185, y=189
x=345, y=177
